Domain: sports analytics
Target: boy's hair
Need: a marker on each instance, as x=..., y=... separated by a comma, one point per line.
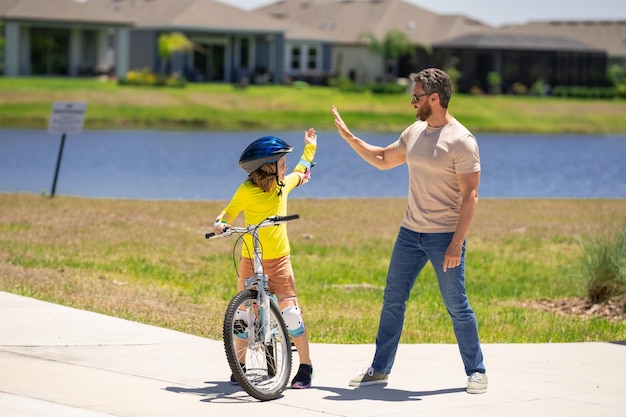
x=264, y=177
x=434, y=80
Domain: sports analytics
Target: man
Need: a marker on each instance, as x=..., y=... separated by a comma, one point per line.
x=444, y=173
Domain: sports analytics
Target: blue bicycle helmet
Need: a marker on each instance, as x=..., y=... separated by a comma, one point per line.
x=261, y=151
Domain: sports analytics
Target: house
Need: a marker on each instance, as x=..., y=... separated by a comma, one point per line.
x=556, y=52
x=340, y=23
x=608, y=35
x=81, y=37
x=230, y=44
x=309, y=40
x=523, y=59
x=64, y=37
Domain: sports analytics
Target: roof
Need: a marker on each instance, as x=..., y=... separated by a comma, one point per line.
x=336, y=19
x=101, y=12
x=162, y=14
x=510, y=41
x=199, y=15
x=603, y=34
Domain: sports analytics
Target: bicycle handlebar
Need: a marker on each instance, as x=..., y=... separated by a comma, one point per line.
x=270, y=221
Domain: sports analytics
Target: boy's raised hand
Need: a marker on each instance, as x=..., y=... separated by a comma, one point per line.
x=310, y=137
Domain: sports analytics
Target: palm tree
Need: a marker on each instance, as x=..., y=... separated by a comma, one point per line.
x=394, y=44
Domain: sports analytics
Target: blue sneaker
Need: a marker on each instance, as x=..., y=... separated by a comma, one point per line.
x=233, y=381
x=303, y=378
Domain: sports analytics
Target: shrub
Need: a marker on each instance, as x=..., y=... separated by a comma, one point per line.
x=476, y=91
x=518, y=89
x=145, y=77
x=300, y=85
x=585, y=92
x=494, y=79
x=539, y=88
x=603, y=265
x=387, y=88
x=345, y=85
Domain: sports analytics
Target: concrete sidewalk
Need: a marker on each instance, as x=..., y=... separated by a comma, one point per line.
x=59, y=361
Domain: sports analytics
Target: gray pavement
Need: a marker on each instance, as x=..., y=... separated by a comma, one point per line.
x=58, y=361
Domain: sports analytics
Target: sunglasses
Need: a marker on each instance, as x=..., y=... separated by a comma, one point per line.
x=416, y=97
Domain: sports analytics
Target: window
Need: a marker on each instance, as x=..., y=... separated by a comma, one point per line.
x=90, y=47
x=244, y=57
x=312, y=58
x=303, y=57
x=296, y=53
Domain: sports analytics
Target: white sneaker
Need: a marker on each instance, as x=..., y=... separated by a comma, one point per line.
x=477, y=383
x=369, y=377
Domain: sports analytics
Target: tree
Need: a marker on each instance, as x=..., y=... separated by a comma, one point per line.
x=170, y=44
x=391, y=47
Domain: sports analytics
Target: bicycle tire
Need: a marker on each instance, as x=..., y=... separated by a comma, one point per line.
x=267, y=366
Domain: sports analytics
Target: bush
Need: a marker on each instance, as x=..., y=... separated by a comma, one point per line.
x=494, y=79
x=300, y=85
x=603, y=265
x=518, y=89
x=145, y=77
x=387, y=88
x=539, y=88
x=345, y=85
x=585, y=92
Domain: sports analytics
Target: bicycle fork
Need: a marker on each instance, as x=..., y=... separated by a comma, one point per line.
x=264, y=311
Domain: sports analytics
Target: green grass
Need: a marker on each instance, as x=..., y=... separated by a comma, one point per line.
x=27, y=102
x=148, y=261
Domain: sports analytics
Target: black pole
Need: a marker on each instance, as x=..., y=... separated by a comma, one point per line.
x=56, y=172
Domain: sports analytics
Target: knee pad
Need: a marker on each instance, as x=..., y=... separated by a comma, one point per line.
x=240, y=324
x=292, y=316
x=241, y=315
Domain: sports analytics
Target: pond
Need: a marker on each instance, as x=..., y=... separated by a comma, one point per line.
x=172, y=165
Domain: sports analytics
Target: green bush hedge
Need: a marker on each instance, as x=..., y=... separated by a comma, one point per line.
x=585, y=92
x=148, y=78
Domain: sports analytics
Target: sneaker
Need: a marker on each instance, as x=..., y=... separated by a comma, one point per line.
x=369, y=377
x=303, y=378
x=233, y=381
x=477, y=383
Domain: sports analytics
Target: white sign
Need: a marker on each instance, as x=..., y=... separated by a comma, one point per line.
x=67, y=117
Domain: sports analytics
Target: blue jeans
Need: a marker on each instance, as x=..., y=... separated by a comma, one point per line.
x=410, y=253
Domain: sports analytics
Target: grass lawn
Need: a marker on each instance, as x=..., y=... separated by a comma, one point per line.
x=148, y=261
x=27, y=102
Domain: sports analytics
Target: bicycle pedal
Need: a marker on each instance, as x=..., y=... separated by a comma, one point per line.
x=239, y=329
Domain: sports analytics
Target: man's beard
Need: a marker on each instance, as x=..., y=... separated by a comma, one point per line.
x=424, y=112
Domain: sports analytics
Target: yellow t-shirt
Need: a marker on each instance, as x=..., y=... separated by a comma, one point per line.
x=258, y=205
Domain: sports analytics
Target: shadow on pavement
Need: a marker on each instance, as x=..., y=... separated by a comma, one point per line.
x=381, y=393
x=221, y=391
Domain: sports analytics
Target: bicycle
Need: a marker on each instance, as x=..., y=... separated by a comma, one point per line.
x=256, y=341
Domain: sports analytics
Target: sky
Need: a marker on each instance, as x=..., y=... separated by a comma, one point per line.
x=499, y=12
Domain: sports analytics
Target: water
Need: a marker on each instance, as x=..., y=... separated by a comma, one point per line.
x=158, y=165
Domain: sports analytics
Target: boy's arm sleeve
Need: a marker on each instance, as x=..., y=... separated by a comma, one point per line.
x=233, y=208
x=306, y=158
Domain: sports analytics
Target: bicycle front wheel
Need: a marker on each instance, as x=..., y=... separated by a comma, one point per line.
x=261, y=365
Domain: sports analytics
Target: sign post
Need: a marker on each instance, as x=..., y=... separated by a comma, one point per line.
x=66, y=117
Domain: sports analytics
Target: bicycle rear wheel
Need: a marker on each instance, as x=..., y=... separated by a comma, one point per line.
x=261, y=369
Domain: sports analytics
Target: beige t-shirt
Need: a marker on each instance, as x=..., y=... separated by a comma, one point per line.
x=434, y=157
